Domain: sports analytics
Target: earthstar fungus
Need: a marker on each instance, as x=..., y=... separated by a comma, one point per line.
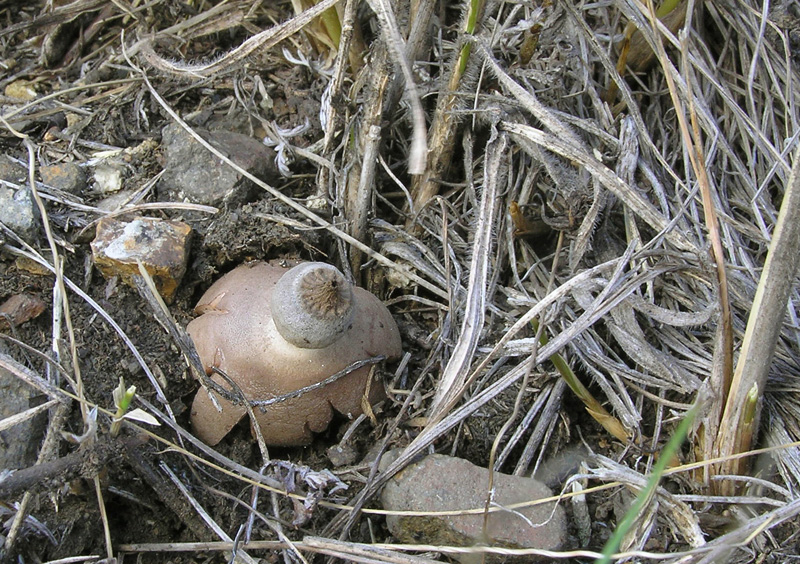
x=274, y=330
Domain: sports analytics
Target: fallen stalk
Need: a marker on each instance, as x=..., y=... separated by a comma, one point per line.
x=84, y=462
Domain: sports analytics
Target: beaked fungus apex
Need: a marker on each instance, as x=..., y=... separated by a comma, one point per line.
x=274, y=330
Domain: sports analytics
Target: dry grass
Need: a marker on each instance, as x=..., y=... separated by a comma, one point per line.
x=661, y=187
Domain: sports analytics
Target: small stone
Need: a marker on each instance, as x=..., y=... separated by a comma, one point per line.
x=18, y=212
x=443, y=483
x=68, y=177
x=19, y=443
x=21, y=90
x=115, y=201
x=30, y=266
x=342, y=455
x=20, y=308
x=161, y=246
x=52, y=134
x=108, y=177
x=195, y=175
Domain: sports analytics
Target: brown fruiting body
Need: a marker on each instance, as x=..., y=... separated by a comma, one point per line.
x=236, y=334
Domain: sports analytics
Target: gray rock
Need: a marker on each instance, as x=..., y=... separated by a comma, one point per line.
x=17, y=209
x=19, y=443
x=442, y=483
x=195, y=175
x=18, y=212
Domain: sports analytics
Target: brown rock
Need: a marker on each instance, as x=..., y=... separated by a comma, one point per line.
x=20, y=308
x=68, y=177
x=161, y=246
x=444, y=483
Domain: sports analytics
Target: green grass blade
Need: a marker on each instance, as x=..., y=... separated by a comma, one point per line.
x=644, y=497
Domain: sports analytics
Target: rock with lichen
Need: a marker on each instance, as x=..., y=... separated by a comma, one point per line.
x=161, y=246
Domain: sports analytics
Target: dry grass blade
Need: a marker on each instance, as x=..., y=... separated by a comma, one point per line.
x=642, y=208
x=457, y=369
x=357, y=552
x=11, y=366
x=721, y=377
x=28, y=414
x=58, y=14
x=741, y=417
x=233, y=59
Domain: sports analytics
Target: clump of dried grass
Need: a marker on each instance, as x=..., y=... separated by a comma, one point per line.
x=623, y=169
x=638, y=188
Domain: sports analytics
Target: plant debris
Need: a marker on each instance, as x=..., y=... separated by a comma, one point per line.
x=535, y=190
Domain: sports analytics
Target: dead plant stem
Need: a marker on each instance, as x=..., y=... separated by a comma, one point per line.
x=764, y=324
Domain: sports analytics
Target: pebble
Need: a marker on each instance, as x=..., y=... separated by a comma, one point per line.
x=342, y=455
x=18, y=443
x=21, y=90
x=162, y=246
x=440, y=483
x=115, y=201
x=20, y=308
x=17, y=209
x=195, y=175
x=108, y=176
x=68, y=177
x=18, y=212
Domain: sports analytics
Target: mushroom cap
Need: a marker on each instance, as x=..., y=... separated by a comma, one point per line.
x=236, y=334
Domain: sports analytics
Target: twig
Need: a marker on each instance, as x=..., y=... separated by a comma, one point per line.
x=84, y=462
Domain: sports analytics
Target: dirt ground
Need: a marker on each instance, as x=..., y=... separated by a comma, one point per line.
x=146, y=483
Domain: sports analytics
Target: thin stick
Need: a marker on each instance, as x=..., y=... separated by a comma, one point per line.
x=104, y=517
